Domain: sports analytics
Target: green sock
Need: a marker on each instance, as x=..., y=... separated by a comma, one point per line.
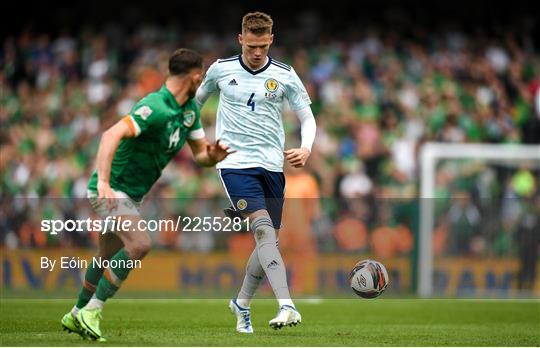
x=91, y=279
x=113, y=277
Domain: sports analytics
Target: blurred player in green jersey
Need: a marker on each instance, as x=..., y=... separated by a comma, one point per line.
x=130, y=158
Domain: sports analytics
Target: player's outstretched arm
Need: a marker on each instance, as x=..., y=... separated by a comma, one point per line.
x=107, y=148
x=206, y=154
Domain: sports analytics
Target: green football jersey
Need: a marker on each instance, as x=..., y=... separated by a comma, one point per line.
x=161, y=127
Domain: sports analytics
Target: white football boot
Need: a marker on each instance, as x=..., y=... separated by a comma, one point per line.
x=287, y=316
x=243, y=317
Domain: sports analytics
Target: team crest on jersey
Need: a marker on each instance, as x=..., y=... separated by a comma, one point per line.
x=189, y=118
x=271, y=85
x=144, y=111
x=241, y=204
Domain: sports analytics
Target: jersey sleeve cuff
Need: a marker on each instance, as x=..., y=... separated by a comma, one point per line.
x=196, y=134
x=135, y=129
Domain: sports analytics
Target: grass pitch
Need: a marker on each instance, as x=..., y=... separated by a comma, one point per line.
x=380, y=322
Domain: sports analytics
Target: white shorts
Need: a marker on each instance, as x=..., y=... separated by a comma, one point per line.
x=125, y=205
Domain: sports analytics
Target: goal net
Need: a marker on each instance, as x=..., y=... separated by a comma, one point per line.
x=479, y=220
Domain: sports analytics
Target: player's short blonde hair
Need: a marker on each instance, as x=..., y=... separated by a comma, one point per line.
x=257, y=23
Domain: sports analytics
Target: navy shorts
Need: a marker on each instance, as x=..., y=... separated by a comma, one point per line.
x=252, y=189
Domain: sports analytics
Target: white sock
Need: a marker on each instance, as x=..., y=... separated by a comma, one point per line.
x=270, y=258
x=253, y=278
x=74, y=311
x=94, y=303
x=285, y=301
x=244, y=303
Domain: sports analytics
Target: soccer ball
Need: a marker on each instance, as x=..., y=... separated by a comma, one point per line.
x=368, y=278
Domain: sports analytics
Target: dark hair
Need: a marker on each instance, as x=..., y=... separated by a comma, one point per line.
x=183, y=60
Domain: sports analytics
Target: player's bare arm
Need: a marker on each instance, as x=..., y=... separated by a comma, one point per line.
x=206, y=154
x=107, y=148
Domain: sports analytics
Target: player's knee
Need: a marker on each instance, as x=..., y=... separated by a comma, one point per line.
x=139, y=248
x=263, y=230
x=108, y=251
x=104, y=254
x=139, y=251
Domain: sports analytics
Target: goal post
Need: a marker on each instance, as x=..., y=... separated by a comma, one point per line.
x=430, y=154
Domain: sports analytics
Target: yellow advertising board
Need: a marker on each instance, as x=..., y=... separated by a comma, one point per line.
x=187, y=273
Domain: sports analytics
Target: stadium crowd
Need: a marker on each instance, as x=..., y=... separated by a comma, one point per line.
x=377, y=96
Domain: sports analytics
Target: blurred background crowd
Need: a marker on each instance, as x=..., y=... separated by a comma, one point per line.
x=379, y=92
